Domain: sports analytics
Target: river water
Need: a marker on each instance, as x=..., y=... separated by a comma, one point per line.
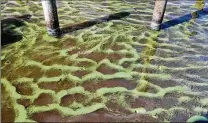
x=117, y=70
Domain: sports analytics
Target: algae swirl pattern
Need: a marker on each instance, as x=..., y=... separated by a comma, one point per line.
x=119, y=66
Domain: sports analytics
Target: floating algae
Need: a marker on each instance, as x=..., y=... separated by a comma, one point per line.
x=143, y=86
x=146, y=55
x=77, y=74
x=199, y=4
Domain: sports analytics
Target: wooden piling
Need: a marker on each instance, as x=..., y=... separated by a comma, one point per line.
x=158, y=14
x=51, y=17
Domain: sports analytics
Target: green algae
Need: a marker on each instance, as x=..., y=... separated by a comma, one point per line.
x=111, y=65
x=99, y=40
x=184, y=99
x=200, y=110
x=48, y=38
x=199, y=4
x=66, y=111
x=20, y=111
x=139, y=110
x=143, y=86
x=204, y=102
x=98, y=75
x=146, y=55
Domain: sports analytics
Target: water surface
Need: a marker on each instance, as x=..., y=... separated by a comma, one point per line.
x=117, y=70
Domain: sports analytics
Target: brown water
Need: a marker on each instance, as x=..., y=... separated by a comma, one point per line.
x=114, y=71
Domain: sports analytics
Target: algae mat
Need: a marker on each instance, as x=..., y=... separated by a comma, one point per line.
x=114, y=71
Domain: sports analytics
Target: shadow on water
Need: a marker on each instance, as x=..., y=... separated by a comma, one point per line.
x=90, y=23
x=8, y=25
x=184, y=18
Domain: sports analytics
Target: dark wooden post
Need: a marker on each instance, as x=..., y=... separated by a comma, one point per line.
x=51, y=17
x=158, y=14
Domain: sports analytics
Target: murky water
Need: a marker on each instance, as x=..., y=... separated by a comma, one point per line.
x=117, y=70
